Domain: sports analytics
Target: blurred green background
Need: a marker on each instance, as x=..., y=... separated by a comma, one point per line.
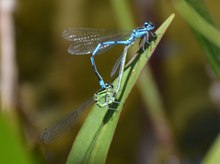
x=52, y=82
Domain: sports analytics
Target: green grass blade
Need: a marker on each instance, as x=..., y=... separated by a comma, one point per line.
x=94, y=138
x=12, y=150
x=213, y=155
x=197, y=22
x=197, y=16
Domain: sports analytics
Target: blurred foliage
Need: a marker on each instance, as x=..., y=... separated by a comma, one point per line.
x=12, y=149
x=52, y=82
x=207, y=35
x=213, y=155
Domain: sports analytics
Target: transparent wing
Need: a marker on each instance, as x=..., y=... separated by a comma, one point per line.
x=85, y=48
x=54, y=131
x=119, y=60
x=85, y=40
x=116, y=65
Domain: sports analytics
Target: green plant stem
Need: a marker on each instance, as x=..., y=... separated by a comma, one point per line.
x=196, y=15
x=197, y=21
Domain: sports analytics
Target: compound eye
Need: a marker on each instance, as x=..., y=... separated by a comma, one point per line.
x=150, y=25
x=146, y=24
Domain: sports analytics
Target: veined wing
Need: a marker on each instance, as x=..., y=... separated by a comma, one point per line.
x=116, y=65
x=85, y=40
x=120, y=60
x=54, y=131
x=83, y=48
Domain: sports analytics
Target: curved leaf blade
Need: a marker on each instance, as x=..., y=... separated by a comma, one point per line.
x=94, y=138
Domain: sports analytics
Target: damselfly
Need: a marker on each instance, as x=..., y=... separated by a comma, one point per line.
x=95, y=41
x=103, y=97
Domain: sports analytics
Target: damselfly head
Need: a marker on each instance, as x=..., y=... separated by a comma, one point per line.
x=105, y=96
x=149, y=25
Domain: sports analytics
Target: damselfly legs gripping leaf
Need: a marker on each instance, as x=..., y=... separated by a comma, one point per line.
x=95, y=41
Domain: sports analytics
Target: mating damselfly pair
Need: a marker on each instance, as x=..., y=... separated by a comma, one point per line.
x=95, y=41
